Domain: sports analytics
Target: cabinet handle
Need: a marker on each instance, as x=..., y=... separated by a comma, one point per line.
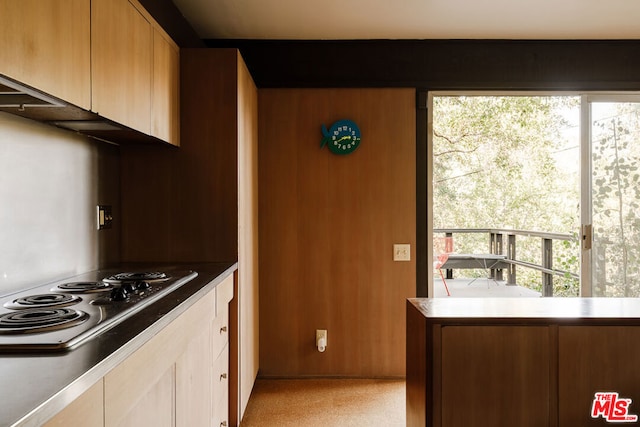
x=223, y=424
x=223, y=329
x=223, y=376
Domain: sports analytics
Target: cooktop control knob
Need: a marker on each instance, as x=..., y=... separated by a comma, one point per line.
x=119, y=294
x=129, y=287
x=142, y=285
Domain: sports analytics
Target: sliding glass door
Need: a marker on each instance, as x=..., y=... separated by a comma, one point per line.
x=505, y=163
x=611, y=196
x=505, y=182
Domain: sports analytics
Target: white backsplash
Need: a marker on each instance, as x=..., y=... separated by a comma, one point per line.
x=50, y=184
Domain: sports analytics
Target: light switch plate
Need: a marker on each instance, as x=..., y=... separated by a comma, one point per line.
x=402, y=252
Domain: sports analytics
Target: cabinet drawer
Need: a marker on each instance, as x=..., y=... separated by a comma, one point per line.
x=221, y=389
x=224, y=294
x=220, y=332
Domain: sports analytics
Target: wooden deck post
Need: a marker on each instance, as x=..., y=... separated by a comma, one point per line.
x=547, y=262
x=449, y=272
x=496, y=249
x=511, y=254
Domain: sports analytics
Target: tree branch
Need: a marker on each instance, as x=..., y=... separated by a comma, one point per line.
x=450, y=141
x=457, y=176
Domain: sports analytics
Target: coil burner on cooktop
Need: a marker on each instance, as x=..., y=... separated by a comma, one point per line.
x=40, y=320
x=62, y=315
x=42, y=301
x=83, y=287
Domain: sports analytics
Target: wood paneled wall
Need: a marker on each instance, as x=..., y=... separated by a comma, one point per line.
x=199, y=203
x=327, y=225
x=180, y=205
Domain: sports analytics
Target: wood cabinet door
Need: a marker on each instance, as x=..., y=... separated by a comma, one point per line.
x=155, y=407
x=140, y=391
x=596, y=359
x=168, y=380
x=121, y=55
x=494, y=376
x=165, y=95
x=46, y=44
x=193, y=383
x=87, y=410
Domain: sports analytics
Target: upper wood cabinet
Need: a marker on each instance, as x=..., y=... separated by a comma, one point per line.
x=135, y=70
x=165, y=93
x=109, y=57
x=121, y=54
x=46, y=44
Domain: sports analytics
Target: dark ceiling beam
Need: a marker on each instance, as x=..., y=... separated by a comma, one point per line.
x=426, y=64
x=443, y=64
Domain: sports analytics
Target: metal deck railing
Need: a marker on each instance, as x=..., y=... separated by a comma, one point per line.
x=503, y=242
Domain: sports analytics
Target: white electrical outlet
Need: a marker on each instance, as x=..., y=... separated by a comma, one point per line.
x=402, y=252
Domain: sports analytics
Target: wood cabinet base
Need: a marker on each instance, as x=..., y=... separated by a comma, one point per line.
x=504, y=367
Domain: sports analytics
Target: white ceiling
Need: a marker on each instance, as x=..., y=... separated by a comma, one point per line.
x=413, y=19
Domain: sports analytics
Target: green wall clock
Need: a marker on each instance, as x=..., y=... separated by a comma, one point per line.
x=342, y=138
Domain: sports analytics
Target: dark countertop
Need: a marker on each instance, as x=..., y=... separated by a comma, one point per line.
x=530, y=310
x=35, y=387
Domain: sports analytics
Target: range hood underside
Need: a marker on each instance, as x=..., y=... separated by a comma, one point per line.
x=24, y=101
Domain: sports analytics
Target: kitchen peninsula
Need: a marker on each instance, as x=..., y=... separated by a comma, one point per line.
x=525, y=362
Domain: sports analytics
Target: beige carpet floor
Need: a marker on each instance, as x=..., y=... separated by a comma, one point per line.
x=326, y=402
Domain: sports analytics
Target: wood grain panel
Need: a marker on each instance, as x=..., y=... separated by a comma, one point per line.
x=199, y=203
x=182, y=205
x=593, y=359
x=165, y=93
x=224, y=294
x=144, y=374
x=153, y=408
x=121, y=61
x=46, y=44
x=281, y=261
x=247, y=232
x=234, y=358
x=86, y=410
x=418, y=349
x=194, y=403
x=220, y=380
x=220, y=332
x=327, y=228
x=495, y=376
